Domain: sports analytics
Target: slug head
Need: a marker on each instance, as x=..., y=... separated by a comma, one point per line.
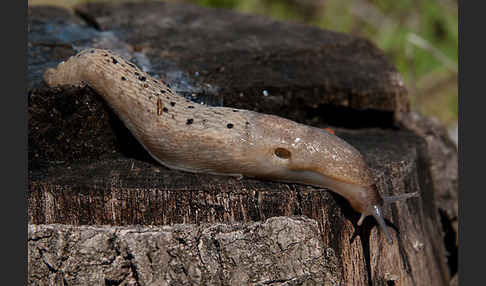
x=292, y=152
x=284, y=150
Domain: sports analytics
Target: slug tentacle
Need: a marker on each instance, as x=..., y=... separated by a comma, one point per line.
x=377, y=213
x=391, y=199
x=184, y=135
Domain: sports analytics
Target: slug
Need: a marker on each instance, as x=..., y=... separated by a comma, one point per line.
x=184, y=135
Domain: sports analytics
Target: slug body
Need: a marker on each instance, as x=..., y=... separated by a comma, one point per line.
x=184, y=135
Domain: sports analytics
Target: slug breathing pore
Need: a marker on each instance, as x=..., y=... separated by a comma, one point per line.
x=188, y=136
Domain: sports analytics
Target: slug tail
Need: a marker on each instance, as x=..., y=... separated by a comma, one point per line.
x=66, y=73
x=74, y=70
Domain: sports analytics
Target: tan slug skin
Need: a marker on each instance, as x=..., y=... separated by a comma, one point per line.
x=184, y=135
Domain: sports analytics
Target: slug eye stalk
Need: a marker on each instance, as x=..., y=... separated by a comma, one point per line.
x=377, y=213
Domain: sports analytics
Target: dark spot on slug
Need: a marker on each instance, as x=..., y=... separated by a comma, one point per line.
x=173, y=116
x=123, y=78
x=234, y=110
x=189, y=121
x=142, y=78
x=105, y=55
x=190, y=106
x=282, y=153
x=162, y=91
x=165, y=109
x=137, y=74
x=229, y=125
x=247, y=123
x=114, y=60
x=92, y=51
x=132, y=65
x=145, y=85
x=172, y=103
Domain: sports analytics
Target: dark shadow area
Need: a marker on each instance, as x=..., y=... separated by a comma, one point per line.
x=352, y=118
x=88, y=19
x=126, y=143
x=449, y=242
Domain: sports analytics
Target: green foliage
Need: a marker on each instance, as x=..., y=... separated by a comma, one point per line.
x=229, y=4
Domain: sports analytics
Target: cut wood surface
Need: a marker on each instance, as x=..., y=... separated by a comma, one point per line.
x=89, y=178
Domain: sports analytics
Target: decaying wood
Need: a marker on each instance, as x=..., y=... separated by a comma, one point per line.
x=86, y=170
x=260, y=253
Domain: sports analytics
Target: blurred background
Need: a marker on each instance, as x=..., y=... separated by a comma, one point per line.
x=419, y=36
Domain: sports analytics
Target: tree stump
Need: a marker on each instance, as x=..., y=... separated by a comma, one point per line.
x=101, y=211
